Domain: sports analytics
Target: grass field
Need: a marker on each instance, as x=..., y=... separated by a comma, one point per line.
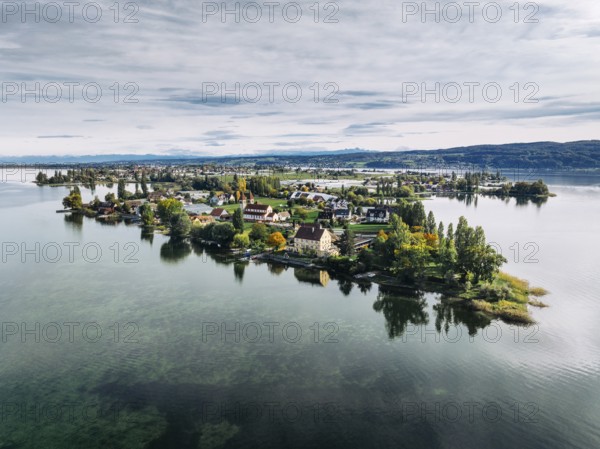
x=273, y=202
x=369, y=228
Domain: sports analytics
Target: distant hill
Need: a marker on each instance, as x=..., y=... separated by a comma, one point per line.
x=539, y=155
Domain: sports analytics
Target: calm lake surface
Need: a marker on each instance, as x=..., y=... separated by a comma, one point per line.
x=153, y=344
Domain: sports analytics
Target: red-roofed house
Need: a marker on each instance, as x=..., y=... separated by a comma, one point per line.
x=219, y=213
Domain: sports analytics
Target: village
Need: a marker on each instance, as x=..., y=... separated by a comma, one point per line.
x=329, y=214
x=314, y=213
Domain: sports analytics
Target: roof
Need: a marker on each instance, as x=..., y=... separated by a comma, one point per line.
x=217, y=212
x=197, y=208
x=377, y=211
x=203, y=218
x=310, y=232
x=262, y=208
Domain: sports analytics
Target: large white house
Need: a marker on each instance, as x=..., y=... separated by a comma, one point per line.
x=259, y=212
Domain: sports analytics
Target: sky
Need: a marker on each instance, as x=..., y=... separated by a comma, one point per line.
x=216, y=78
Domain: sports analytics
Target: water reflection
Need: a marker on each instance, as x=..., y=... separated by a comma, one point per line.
x=401, y=309
x=276, y=269
x=239, y=268
x=365, y=287
x=449, y=315
x=345, y=286
x=471, y=199
x=315, y=277
x=175, y=250
x=75, y=220
x=147, y=235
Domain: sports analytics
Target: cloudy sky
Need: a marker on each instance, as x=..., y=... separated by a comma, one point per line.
x=348, y=74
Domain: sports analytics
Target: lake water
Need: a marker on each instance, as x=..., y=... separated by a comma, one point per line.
x=114, y=339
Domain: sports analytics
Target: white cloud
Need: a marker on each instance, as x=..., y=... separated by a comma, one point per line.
x=369, y=55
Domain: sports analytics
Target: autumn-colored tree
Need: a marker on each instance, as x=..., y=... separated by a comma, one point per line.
x=431, y=240
x=382, y=235
x=276, y=240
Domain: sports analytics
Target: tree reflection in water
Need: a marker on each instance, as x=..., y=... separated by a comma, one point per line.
x=401, y=307
x=449, y=314
x=471, y=199
x=238, y=270
x=275, y=268
x=345, y=286
x=364, y=287
x=175, y=250
x=74, y=219
x=147, y=235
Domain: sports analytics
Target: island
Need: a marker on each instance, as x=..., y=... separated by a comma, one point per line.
x=360, y=225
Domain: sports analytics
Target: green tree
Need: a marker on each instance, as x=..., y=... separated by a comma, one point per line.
x=41, y=178
x=450, y=233
x=238, y=220
x=440, y=231
x=144, y=184
x=147, y=214
x=259, y=232
x=474, y=256
x=223, y=233
x=430, y=224
x=110, y=198
x=418, y=214
x=167, y=208
x=448, y=256
x=411, y=258
x=347, y=242
x=121, y=192
x=300, y=213
x=180, y=224
x=73, y=199
x=241, y=241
